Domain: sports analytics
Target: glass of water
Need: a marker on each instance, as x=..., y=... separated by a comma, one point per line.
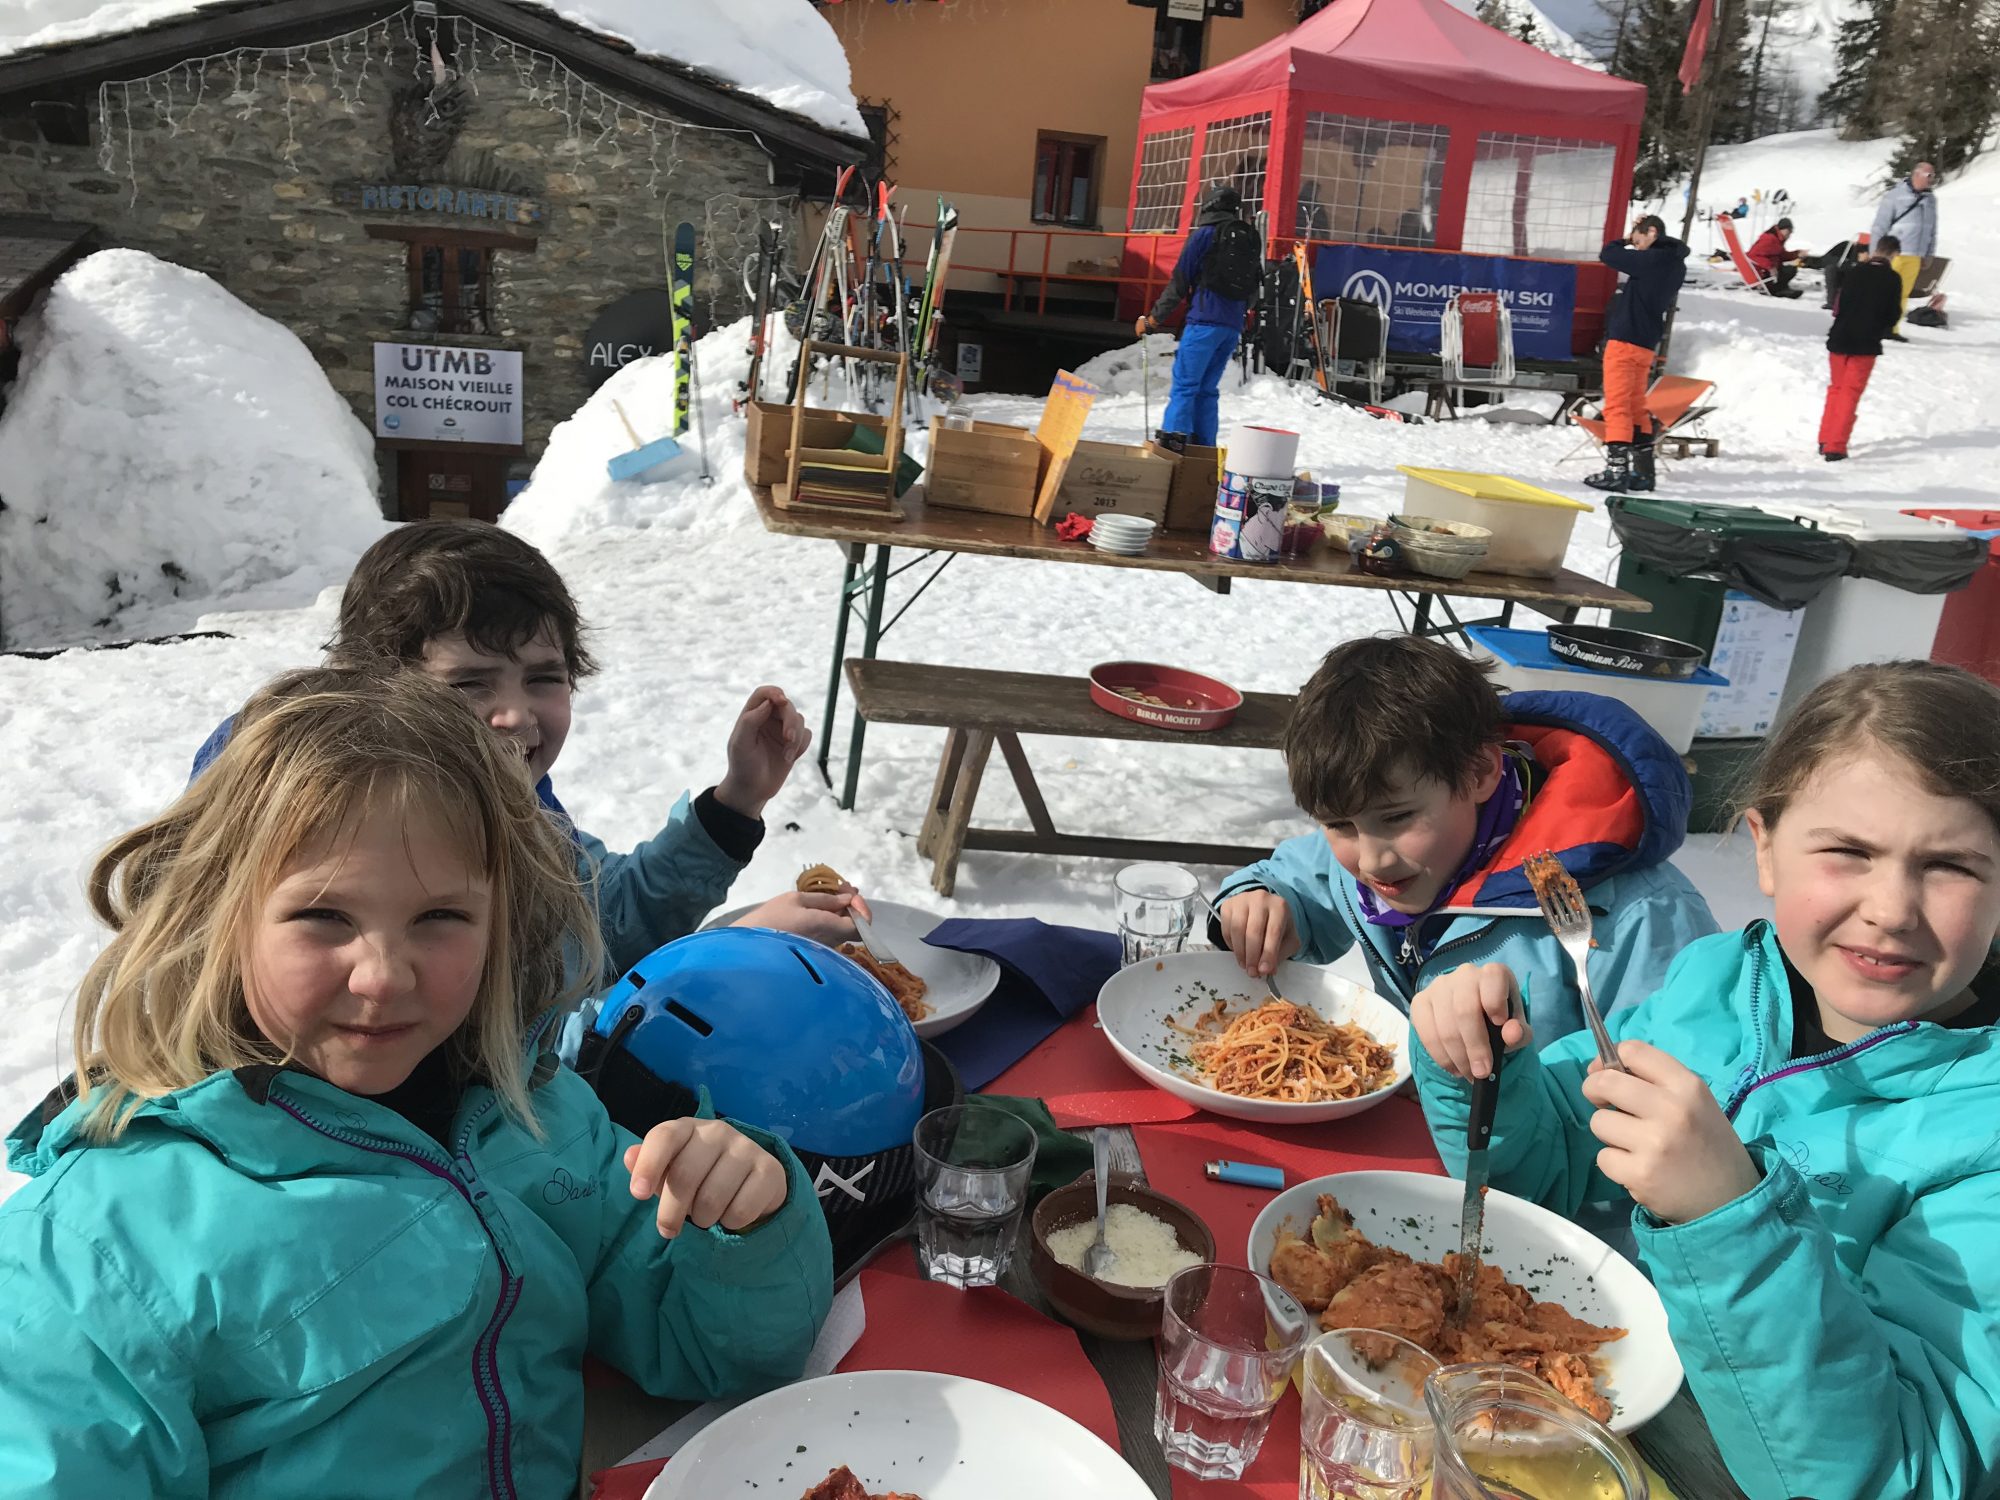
x=973, y=1164
x=1228, y=1341
x=1364, y=1431
x=1156, y=906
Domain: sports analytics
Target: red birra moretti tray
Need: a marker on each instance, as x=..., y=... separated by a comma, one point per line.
x=1174, y=698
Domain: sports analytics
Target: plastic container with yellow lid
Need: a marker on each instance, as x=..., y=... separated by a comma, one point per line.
x=1531, y=527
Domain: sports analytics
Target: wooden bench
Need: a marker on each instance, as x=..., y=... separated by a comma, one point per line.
x=980, y=709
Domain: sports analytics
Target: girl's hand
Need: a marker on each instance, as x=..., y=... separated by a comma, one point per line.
x=1257, y=926
x=765, y=743
x=820, y=918
x=1666, y=1140
x=1450, y=1016
x=705, y=1172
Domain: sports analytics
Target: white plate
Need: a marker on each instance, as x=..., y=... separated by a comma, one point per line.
x=939, y=1436
x=1542, y=1251
x=1135, y=1003
x=959, y=983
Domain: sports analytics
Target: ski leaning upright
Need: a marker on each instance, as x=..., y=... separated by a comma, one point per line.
x=923, y=352
x=763, y=277
x=681, y=266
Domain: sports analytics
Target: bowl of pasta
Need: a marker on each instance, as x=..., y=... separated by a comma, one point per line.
x=1197, y=1026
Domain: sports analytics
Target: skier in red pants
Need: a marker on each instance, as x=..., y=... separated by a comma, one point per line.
x=1871, y=301
x=1654, y=266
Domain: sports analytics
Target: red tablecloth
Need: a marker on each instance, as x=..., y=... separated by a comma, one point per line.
x=1083, y=1080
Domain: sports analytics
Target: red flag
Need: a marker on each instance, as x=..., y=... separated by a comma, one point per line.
x=1697, y=44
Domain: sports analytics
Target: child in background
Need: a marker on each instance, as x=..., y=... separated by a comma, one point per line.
x=481, y=610
x=1807, y=1126
x=1870, y=305
x=317, y=1214
x=1430, y=790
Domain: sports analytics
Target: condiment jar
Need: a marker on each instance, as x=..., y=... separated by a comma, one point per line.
x=1504, y=1434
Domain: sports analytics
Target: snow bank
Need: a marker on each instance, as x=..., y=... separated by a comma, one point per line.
x=780, y=51
x=166, y=443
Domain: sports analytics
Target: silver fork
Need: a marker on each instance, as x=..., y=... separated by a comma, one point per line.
x=1568, y=916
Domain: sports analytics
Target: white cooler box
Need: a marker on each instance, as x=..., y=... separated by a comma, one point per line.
x=1860, y=620
x=1672, y=706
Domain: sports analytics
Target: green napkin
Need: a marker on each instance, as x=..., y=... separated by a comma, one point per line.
x=869, y=440
x=1060, y=1158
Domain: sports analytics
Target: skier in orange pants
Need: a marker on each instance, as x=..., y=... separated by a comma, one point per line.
x=1871, y=302
x=1654, y=266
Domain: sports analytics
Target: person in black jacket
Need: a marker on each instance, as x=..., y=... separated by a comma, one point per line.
x=1871, y=302
x=1654, y=268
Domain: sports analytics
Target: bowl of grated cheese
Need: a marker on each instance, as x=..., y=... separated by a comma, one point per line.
x=1151, y=1237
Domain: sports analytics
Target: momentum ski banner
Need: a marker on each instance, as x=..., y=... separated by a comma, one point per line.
x=1413, y=286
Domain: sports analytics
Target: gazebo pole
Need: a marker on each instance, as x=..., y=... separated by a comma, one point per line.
x=1704, y=116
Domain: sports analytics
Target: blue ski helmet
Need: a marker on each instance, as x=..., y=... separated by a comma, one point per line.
x=785, y=1035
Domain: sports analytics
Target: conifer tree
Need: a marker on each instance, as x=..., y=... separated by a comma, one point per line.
x=1946, y=81
x=1864, y=59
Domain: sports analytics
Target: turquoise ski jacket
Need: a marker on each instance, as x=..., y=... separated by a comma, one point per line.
x=1613, y=803
x=268, y=1286
x=1840, y=1322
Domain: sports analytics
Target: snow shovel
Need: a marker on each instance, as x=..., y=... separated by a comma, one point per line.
x=643, y=455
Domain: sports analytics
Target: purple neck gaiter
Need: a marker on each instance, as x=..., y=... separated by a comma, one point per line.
x=1498, y=815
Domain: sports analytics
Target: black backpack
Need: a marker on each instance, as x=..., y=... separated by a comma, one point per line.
x=1234, y=265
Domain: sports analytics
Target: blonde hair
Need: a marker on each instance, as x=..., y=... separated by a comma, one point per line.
x=163, y=1006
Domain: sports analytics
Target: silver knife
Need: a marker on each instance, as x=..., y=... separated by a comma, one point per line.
x=1478, y=1133
x=877, y=949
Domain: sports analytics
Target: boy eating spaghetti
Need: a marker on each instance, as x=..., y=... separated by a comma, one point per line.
x=1430, y=789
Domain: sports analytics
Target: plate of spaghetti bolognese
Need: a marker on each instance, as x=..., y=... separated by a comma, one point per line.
x=1197, y=1026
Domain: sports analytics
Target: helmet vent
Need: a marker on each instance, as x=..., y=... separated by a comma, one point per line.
x=688, y=1018
x=806, y=964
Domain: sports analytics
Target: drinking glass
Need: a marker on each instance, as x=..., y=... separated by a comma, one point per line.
x=1228, y=1341
x=1504, y=1434
x=1364, y=1431
x=973, y=1164
x=1156, y=905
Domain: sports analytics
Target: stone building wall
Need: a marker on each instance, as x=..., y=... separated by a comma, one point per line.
x=231, y=167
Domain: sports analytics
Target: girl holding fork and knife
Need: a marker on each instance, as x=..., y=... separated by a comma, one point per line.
x=1805, y=1118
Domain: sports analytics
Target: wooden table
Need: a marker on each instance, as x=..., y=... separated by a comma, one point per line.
x=954, y=532
x=1676, y=1443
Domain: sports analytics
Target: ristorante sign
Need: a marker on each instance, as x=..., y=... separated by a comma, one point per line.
x=486, y=205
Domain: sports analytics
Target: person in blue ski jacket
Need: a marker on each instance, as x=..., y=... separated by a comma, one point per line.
x=1209, y=336
x=1805, y=1123
x=479, y=608
x=1430, y=790
x=317, y=1212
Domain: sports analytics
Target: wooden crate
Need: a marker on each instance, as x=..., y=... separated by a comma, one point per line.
x=869, y=478
x=993, y=468
x=1191, y=497
x=767, y=445
x=1132, y=479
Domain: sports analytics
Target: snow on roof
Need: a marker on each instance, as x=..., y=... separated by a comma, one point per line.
x=780, y=51
x=165, y=442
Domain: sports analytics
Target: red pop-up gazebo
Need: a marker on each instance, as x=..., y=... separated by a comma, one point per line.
x=1424, y=151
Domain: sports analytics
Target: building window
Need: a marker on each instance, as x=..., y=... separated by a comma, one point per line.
x=1068, y=169
x=1370, y=182
x=1538, y=195
x=1177, y=46
x=450, y=288
x=1162, y=187
x=1237, y=153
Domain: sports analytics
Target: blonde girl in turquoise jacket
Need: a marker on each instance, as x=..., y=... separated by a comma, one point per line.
x=1809, y=1130
x=318, y=1214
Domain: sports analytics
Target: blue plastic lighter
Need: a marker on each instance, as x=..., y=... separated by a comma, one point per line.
x=1245, y=1174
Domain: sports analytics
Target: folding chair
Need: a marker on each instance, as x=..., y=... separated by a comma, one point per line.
x=1360, y=337
x=1476, y=344
x=1752, y=277
x=1673, y=402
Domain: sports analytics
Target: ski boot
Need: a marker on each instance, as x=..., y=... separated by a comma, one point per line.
x=1617, y=471
x=1641, y=481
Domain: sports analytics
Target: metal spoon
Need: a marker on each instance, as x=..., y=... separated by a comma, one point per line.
x=1098, y=1257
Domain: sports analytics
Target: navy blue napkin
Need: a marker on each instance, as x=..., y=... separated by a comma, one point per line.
x=1047, y=975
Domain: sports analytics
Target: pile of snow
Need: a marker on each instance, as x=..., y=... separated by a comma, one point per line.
x=163, y=443
x=780, y=51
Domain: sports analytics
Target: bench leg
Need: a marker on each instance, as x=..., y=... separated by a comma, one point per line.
x=1024, y=783
x=958, y=818
x=941, y=789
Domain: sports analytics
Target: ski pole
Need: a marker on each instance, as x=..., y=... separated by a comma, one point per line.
x=1146, y=385
x=700, y=420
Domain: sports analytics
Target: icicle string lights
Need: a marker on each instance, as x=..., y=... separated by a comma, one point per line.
x=593, y=119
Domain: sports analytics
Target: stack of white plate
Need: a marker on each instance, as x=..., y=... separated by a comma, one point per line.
x=1125, y=535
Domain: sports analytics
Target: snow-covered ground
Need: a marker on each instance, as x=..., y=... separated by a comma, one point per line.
x=694, y=603
x=780, y=51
